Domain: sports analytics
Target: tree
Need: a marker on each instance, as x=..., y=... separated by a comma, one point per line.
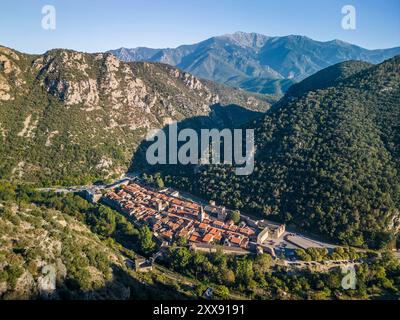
x=181, y=258
x=159, y=180
x=303, y=255
x=229, y=277
x=181, y=242
x=234, y=216
x=146, y=239
x=262, y=263
x=104, y=221
x=221, y=292
x=244, y=271
x=7, y=191
x=199, y=263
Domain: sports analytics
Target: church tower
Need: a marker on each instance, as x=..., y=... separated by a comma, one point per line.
x=202, y=214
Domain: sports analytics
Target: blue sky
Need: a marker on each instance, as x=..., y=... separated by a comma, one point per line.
x=99, y=25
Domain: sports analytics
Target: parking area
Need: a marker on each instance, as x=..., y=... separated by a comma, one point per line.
x=286, y=245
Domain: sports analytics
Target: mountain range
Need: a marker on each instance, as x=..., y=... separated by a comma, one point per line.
x=255, y=62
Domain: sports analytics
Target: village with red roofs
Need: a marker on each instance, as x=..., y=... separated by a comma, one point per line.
x=171, y=217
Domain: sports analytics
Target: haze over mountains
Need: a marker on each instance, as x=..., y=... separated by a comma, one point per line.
x=256, y=62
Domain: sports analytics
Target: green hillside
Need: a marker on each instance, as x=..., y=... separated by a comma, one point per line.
x=69, y=118
x=328, y=161
x=328, y=77
x=46, y=235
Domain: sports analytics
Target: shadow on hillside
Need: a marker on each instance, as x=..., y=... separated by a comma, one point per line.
x=122, y=287
x=220, y=117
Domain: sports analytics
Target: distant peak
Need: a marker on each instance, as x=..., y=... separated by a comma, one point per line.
x=297, y=37
x=247, y=39
x=340, y=42
x=242, y=33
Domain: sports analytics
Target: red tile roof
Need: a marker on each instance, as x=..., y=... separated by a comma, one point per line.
x=208, y=238
x=168, y=234
x=203, y=226
x=246, y=231
x=236, y=240
x=218, y=223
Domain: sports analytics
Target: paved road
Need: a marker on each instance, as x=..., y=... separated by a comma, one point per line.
x=325, y=265
x=89, y=187
x=63, y=190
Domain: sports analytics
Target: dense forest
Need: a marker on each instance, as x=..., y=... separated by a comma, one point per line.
x=327, y=160
x=259, y=277
x=88, y=245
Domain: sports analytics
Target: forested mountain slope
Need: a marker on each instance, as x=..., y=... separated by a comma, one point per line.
x=47, y=253
x=327, y=161
x=328, y=77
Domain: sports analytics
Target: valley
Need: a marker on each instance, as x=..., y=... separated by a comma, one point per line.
x=172, y=214
x=74, y=175
x=318, y=155
x=70, y=118
x=172, y=270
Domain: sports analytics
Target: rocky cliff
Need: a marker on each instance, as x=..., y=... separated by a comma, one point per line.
x=67, y=116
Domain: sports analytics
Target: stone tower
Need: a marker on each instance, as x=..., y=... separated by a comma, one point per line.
x=202, y=214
